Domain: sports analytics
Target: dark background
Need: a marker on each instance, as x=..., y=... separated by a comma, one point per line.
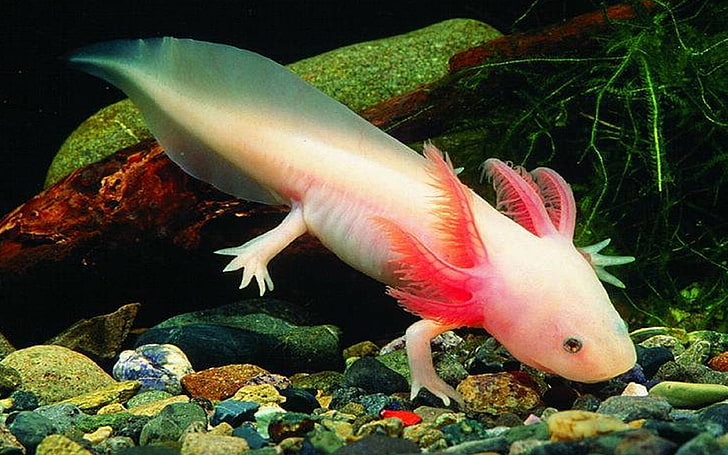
x=42, y=101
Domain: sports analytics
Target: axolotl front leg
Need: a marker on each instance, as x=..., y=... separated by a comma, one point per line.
x=254, y=255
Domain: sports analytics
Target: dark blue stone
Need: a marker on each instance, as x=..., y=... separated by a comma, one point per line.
x=233, y=412
x=373, y=376
x=299, y=400
x=652, y=359
x=253, y=438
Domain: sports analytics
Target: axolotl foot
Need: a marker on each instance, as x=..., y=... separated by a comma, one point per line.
x=254, y=255
x=419, y=356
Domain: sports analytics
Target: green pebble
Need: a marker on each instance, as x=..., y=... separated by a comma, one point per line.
x=689, y=395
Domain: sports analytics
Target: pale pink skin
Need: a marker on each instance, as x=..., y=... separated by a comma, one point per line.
x=269, y=137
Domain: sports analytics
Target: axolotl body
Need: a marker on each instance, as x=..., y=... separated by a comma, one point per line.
x=255, y=130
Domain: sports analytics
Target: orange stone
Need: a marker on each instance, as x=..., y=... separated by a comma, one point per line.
x=719, y=362
x=220, y=383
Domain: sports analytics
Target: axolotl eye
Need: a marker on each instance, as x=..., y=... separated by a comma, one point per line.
x=572, y=345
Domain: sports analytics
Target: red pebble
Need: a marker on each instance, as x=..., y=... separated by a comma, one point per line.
x=408, y=417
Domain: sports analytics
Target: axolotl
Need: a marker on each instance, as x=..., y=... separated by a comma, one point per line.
x=253, y=129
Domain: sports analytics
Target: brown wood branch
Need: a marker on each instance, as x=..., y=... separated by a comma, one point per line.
x=135, y=194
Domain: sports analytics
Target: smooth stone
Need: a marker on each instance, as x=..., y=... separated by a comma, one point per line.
x=23, y=401
x=210, y=444
x=155, y=366
x=150, y=396
x=716, y=413
x=325, y=381
x=635, y=441
x=220, y=383
x=72, y=373
x=324, y=441
x=83, y=336
x=652, y=358
x=101, y=434
x=688, y=395
x=299, y=400
x=464, y=430
x=572, y=425
x=114, y=445
x=248, y=432
x=149, y=450
x=118, y=392
x=671, y=343
x=696, y=354
x=9, y=444
x=63, y=415
x=702, y=444
x=171, y=422
x=673, y=371
x=57, y=444
x=373, y=376
x=263, y=394
x=234, y=412
x=680, y=431
x=719, y=362
x=426, y=437
x=123, y=423
x=290, y=424
x=153, y=408
x=243, y=333
x=10, y=380
x=380, y=445
x=30, y=428
x=446, y=366
x=496, y=393
x=628, y=408
x=362, y=349
x=391, y=427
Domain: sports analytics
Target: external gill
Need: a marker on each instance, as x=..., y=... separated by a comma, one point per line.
x=600, y=261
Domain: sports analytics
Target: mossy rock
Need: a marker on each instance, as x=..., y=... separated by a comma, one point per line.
x=359, y=76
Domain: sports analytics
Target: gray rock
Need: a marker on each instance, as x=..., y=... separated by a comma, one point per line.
x=629, y=408
x=156, y=366
x=63, y=415
x=30, y=428
x=373, y=376
x=169, y=424
x=702, y=444
x=245, y=333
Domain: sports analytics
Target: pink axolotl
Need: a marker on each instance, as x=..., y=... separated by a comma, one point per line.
x=253, y=129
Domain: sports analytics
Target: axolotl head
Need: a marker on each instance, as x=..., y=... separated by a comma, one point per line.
x=544, y=300
x=551, y=312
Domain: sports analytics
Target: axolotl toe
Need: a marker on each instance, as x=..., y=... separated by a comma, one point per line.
x=255, y=130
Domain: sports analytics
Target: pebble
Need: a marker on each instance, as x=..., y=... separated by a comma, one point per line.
x=689, y=395
x=497, y=393
x=251, y=436
x=628, y=408
x=155, y=366
x=118, y=392
x=73, y=373
x=171, y=422
x=652, y=358
x=719, y=362
x=571, y=425
x=220, y=383
x=30, y=428
x=373, y=376
x=234, y=412
x=57, y=444
x=210, y=444
x=263, y=394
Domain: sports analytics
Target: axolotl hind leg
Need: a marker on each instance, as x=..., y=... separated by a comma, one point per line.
x=254, y=255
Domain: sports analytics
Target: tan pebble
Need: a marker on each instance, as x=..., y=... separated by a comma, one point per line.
x=115, y=393
x=101, y=434
x=261, y=394
x=497, y=393
x=634, y=390
x=572, y=425
x=112, y=408
x=291, y=445
x=223, y=429
x=324, y=400
x=56, y=444
x=154, y=408
x=425, y=436
x=391, y=427
x=211, y=444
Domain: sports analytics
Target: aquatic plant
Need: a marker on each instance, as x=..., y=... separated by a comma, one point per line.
x=645, y=105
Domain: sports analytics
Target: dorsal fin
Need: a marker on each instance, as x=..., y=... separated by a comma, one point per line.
x=558, y=199
x=517, y=197
x=458, y=235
